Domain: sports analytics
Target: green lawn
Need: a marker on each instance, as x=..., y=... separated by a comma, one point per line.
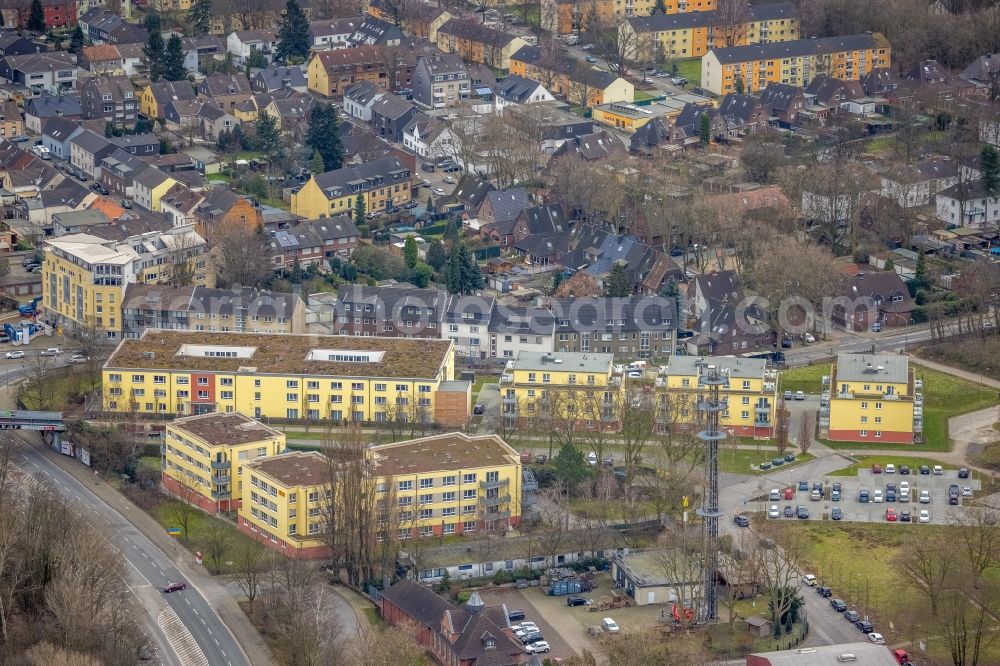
x=806, y=378
x=151, y=463
x=880, y=145
x=944, y=396
x=739, y=461
x=642, y=96
x=197, y=540
x=690, y=69
x=217, y=178
x=865, y=462
x=762, y=443
x=481, y=381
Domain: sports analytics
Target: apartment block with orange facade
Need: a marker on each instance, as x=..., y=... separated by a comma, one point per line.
x=566, y=16
x=575, y=80
x=691, y=35
x=796, y=63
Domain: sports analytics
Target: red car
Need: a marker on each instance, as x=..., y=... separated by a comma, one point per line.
x=890, y=515
x=876, y=469
x=789, y=493
x=175, y=587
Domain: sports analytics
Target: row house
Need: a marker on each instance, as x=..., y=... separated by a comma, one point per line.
x=56, y=134
x=226, y=90
x=111, y=99
x=314, y=243
x=577, y=81
x=333, y=33
x=382, y=183
x=112, y=59
x=39, y=109
x=390, y=114
x=475, y=42
x=119, y=171
x=629, y=328
x=52, y=73
x=154, y=97
x=395, y=312
x=57, y=13
x=279, y=77
x=241, y=43
x=200, y=48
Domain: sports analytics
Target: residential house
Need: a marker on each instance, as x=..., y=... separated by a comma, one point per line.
x=542, y=234
x=499, y=213
x=359, y=98
x=11, y=122
x=373, y=31
x=226, y=90
x=687, y=126
x=743, y=114
x=440, y=81
x=213, y=121
x=381, y=183
x=15, y=43
x=292, y=114
x=514, y=329
x=594, y=147
x=182, y=114
x=466, y=321
x=880, y=81
x=314, y=243
x=140, y=145
x=198, y=49
x=390, y=115
x=179, y=204
x=278, y=77
x=629, y=328
x=651, y=138
x=466, y=635
x=44, y=196
x=832, y=92
x=927, y=71
x=596, y=251
x=111, y=99
x=919, y=183
x=39, y=109
x=984, y=73
x=422, y=20
x=476, y=42
x=103, y=26
x=119, y=170
x=847, y=57
x=51, y=72
x=783, y=102
x=224, y=209
x=726, y=320
x=872, y=399
x=392, y=311
x=471, y=191
x=206, y=161
x=429, y=138
x=968, y=205
x=87, y=149
x=57, y=13
x=102, y=60
x=333, y=34
x=880, y=297
x=79, y=221
x=242, y=42
x=149, y=188
x=155, y=96
x=579, y=82
x=515, y=90
x=331, y=72
x=56, y=134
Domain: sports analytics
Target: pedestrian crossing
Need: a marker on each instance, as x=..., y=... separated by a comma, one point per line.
x=180, y=639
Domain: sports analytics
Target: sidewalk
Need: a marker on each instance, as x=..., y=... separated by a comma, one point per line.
x=957, y=372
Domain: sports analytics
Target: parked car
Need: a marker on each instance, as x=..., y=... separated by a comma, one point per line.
x=591, y=59
x=925, y=497
x=824, y=591
x=515, y=615
x=865, y=626
x=533, y=637
x=953, y=494
x=540, y=646
x=592, y=458
x=522, y=626
x=877, y=496
x=803, y=485
x=876, y=469
x=836, y=513
x=838, y=605
x=789, y=513
x=904, y=469
x=799, y=395
x=14, y=354
x=924, y=516
x=876, y=638
x=963, y=473
x=479, y=408
x=51, y=351
x=741, y=520
x=576, y=601
x=788, y=395
x=966, y=491
x=851, y=616
x=834, y=495
x=890, y=515
x=427, y=166
x=904, y=516
x=801, y=512
x=924, y=469
x=449, y=180
x=438, y=191
x=175, y=587
x=610, y=625
x=774, y=495
x=863, y=496
x=789, y=493
x=938, y=470
x=836, y=486
x=773, y=511
x=890, y=469
x=126, y=204
x=77, y=358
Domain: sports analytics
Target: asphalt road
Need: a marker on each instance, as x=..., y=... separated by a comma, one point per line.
x=153, y=568
x=894, y=340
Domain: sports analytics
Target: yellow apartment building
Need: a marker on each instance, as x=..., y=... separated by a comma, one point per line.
x=382, y=182
x=796, y=63
x=538, y=387
x=566, y=16
x=664, y=37
x=751, y=394
x=437, y=486
x=205, y=457
x=328, y=378
x=873, y=399
x=84, y=276
x=285, y=503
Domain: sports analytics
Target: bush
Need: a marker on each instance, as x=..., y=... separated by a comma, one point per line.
x=501, y=577
x=463, y=596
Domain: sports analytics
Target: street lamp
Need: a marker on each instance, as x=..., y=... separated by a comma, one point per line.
x=982, y=377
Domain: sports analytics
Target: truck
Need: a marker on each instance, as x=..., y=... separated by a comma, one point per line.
x=29, y=309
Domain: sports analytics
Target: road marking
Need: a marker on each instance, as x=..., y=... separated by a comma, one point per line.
x=203, y=621
x=195, y=611
x=185, y=647
x=217, y=642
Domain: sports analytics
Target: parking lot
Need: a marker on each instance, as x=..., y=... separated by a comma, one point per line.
x=855, y=511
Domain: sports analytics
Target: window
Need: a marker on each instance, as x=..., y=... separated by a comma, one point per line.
x=427, y=483
x=427, y=498
x=469, y=478
x=878, y=405
x=448, y=512
x=380, y=387
x=292, y=397
x=159, y=379
x=448, y=480
x=492, y=477
x=405, y=501
x=448, y=497
x=469, y=494
x=405, y=486
x=426, y=513
x=862, y=433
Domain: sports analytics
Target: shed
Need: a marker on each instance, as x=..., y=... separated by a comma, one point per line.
x=759, y=626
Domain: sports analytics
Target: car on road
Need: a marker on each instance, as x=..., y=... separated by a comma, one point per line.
x=876, y=638
x=14, y=354
x=803, y=485
x=51, y=351
x=789, y=493
x=438, y=191
x=963, y=473
x=808, y=338
x=449, y=180
x=741, y=520
x=773, y=511
x=610, y=625
x=450, y=167
x=836, y=513
x=799, y=395
x=890, y=515
x=540, y=646
x=679, y=81
x=479, y=408
x=515, y=615
x=789, y=512
x=904, y=516
x=175, y=587
x=576, y=601
x=865, y=626
x=924, y=517
x=801, y=512
x=925, y=470
x=904, y=469
x=126, y=204
x=100, y=189
x=838, y=605
x=890, y=469
x=810, y=580
x=824, y=591
x=789, y=395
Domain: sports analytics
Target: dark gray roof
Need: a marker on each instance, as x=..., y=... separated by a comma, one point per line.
x=218, y=202
x=795, y=48
x=632, y=313
x=59, y=128
x=128, y=140
x=739, y=107
x=92, y=142
x=507, y=205
x=375, y=31
x=396, y=303
x=362, y=92
x=68, y=192
x=983, y=69
x=246, y=301
x=826, y=88
x=39, y=62
x=468, y=309
x=472, y=190
x=660, y=22
x=392, y=106
x=517, y=88
x=444, y=64
x=652, y=134
x=544, y=244
x=546, y=219
x=475, y=31
x=341, y=26
x=275, y=78
x=49, y=106
x=575, y=70
x=376, y=173
x=527, y=320
x=165, y=91
x=779, y=96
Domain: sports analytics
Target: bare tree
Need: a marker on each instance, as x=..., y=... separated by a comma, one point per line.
x=779, y=574
x=38, y=391
x=740, y=567
x=732, y=23
x=241, y=258
x=218, y=539
x=183, y=509
x=682, y=565
x=555, y=516
x=297, y=614
x=249, y=557
x=377, y=645
x=781, y=419
x=806, y=430
x=91, y=342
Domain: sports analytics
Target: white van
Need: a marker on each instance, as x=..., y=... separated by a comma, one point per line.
x=42, y=152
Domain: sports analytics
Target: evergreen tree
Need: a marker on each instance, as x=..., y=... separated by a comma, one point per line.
x=316, y=163
x=256, y=60
x=436, y=256
x=462, y=274
x=200, y=17
x=36, y=17
x=989, y=166
x=453, y=270
x=705, y=129
x=152, y=23
x=239, y=138
x=659, y=7
x=739, y=85
x=557, y=279
x=173, y=60
x=268, y=141
x=323, y=136
x=75, y=40
x=618, y=283
x=359, y=208
x=293, y=36
x=410, y=252
x=155, y=51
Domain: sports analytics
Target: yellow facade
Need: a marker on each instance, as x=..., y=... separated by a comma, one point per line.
x=312, y=202
x=695, y=40
x=205, y=456
x=873, y=399
x=750, y=391
x=157, y=193
x=237, y=372
x=563, y=386
x=147, y=102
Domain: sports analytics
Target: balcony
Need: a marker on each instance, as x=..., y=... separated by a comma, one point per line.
x=499, y=515
x=221, y=464
x=493, y=485
x=221, y=479
x=495, y=501
x=221, y=495
x=761, y=424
